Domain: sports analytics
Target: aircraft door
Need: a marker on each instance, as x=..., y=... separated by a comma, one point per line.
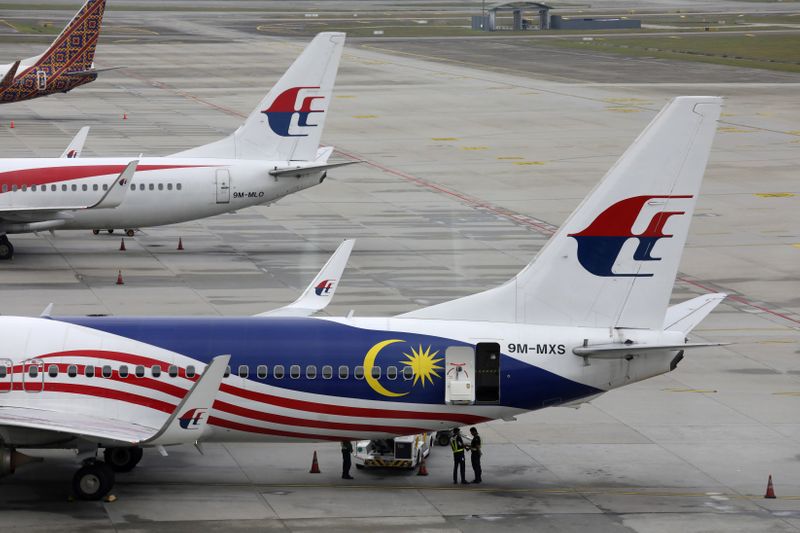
x=33, y=375
x=487, y=372
x=6, y=375
x=41, y=80
x=223, y=186
x=460, y=375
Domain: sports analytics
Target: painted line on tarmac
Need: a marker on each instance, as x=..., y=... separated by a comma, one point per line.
x=538, y=225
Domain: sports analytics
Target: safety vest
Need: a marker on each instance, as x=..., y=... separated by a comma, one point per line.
x=454, y=444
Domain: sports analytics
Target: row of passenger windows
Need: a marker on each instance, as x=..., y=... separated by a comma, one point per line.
x=243, y=371
x=95, y=187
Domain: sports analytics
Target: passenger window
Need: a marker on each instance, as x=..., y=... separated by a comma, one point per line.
x=358, y=373
x=277, y=371
x=33, y=188
x=155, y=371
x=95, y=187
x=5, y=188
x=169, y=186
x=24, y=188
x=105, y=186
x=85, y=187
x=152, y=187
x=53, y=188
x=107, y=371
x=33, y=371
x=327, y=372
x=190, y=371
x=72, y=371
x=173, y=371
x=178, y=186
x=344, y=372
x=408, y=373
x=141, y=186
x=376, y=372
x=74, y=187
x=52, y=371
x=244, y=371
x=123, y=371
x=391, y=372
x=160, y=186
x=64, y=188
x=294, y=371
x=88, y=371
x=13, y=188
x=139, y=371
x=133, y=187
x=3, y=371
x=311, y=372
x=261, y=371
x=227, y=371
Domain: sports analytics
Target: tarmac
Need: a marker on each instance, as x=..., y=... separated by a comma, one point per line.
x=469, y=166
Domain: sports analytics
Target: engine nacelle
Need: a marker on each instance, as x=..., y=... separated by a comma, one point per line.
x=11, y=459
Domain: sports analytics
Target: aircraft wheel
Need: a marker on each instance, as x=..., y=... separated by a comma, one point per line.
x=442, y=438
x=93, y=481
x=6, y=249
x=110, y=231
x=96, y=231
x=130, y=232
x=123, y=459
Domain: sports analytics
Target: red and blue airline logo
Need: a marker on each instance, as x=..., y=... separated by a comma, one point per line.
x=324, y=287
x=280, y=113
x=600, y=244
x=191, y=418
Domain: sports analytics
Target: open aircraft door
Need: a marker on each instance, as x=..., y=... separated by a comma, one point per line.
x=459, y=375
x=33, y=375
x=223, y=186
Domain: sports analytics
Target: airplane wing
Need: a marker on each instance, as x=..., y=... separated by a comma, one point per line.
x=8, y=78
x=75, y=146
x=196, y=404
x=112, y=198
x=320, y=292
x=299, y=171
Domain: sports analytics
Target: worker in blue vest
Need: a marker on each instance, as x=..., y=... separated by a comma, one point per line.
x=457, y=445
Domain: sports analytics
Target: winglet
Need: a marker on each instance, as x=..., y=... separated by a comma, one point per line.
x=186, y=423
x=116, y=193
x=8, y=79
x=320, y=292
x=75, y=146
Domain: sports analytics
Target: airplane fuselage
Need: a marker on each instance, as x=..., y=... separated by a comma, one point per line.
x=163, y=190
x=304, y=378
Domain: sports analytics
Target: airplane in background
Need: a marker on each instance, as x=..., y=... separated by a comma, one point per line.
x=68, y=62
x=589, y=314
x=274, y=153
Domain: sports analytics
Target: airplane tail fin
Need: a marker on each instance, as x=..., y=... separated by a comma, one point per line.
x=73, y=49
x=287, y=124
x=613, y=262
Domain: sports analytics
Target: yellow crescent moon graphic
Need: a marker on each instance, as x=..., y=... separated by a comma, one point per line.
x=369, y=362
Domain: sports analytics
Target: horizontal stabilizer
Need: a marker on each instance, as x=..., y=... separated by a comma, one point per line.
x=8, y=79
x=618, y=351
x=186, y=423
x=90, y=71
x=300, y=171
x=687, y=315
x=320, y=292
x=75, y=146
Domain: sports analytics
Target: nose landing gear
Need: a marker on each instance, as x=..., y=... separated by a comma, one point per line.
x=93, y=481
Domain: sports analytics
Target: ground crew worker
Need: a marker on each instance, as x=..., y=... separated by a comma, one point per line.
x=347, y=450
x=457, y=445
x=475, y=454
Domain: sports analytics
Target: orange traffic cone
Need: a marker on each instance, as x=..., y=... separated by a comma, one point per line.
x=119, y=278
x=770, y=491
x=122, y=245
x=180, y=243
x=12, y=125
x=314, y=464
x=423, y=470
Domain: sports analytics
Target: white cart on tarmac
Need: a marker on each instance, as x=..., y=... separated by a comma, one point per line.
x=400, y=452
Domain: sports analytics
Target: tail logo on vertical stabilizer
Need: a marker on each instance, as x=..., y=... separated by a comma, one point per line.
x=600, y=244
x=282, y=110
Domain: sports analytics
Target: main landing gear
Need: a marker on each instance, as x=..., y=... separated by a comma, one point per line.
x=6, y=249
x=95, y=479
x=128, y=232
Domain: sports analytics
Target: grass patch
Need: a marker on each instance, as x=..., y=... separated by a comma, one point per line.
x=761, y=50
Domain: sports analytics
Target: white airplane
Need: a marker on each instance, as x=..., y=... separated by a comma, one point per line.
x=68, y=62
x=274, y=153
x=589, y=314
